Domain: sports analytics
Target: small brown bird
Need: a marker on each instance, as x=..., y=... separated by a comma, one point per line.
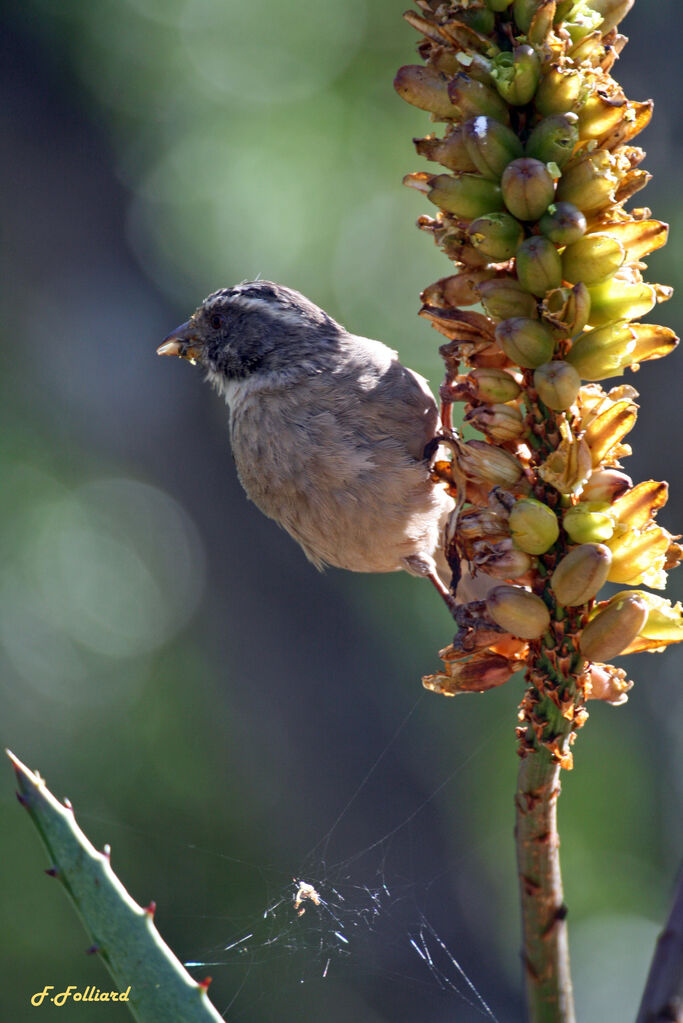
x=330, y=433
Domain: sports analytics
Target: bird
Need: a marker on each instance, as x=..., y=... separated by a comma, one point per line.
x=331, y=435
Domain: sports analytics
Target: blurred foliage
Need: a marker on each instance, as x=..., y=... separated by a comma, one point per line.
x=256, y=142
x=168, y=658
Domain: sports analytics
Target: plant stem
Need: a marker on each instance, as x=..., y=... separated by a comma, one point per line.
x=157, y=987
x=545, y=944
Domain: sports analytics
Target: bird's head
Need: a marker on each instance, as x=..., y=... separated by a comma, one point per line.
x=255, y=326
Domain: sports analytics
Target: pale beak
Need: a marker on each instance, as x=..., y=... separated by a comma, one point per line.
x=183, y=342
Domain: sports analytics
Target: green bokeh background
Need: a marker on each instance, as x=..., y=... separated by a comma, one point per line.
x=168, y=659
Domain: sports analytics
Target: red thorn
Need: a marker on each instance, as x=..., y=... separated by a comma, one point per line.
x=22, y=798
x=151, y=909
x=68, y=805
x=93, y=950
x=52, y=872
x=204, y=984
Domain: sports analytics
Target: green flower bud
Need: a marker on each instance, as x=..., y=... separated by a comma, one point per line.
x=539, y=266
x=581, y=573
x=612, y=12
x=498, y=5
x=603, y=352
x=567, y=310
x=582, y=23
x=466, y=195
x=523, y=12
x=563, y=10
x=472, y=98
x=480, y=19
x=528, y=188
x=500, y=423
x=614, y=627
x=425, y=88
x=542, y=22
x=526, y=342
x=606, y=485
x=563, y=223
x=553, y=139
x=557, y=384
x=518, y=611
x=590, y=184
x=486, y=463
x=592, y=259
x=451, y=151
x=589, y=50
x=478, y=67
x=621, y=300
x=516, y=74
x=493, y=385
x=491, y=145
x=505, y=297
x=497, y=236
x=588, y=522
x=534, y=526
x=559, y=92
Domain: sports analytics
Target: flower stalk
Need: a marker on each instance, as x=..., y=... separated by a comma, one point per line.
x=535, y=142
x=545, y=954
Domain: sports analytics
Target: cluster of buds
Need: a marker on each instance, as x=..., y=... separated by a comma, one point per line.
x=538, y=164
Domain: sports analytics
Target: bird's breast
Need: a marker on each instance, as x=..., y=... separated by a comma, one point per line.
x=326, y=469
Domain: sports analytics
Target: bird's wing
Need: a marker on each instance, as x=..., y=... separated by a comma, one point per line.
x=401, y=401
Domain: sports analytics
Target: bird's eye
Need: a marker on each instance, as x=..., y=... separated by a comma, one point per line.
x=216, y=321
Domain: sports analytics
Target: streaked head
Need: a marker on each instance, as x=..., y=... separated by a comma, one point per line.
x=257, y=324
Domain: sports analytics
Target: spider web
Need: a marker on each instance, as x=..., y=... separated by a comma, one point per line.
x=367, y=916
x=340, y=937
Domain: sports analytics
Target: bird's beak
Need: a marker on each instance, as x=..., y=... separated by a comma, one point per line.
x=183, y=342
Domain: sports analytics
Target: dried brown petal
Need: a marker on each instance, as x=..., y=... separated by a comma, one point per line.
x=502, y=560
x=488, y=464
x=605, y=682
x=639, y=556
x=475, y=675
x=567, y=468
x=638, y=237
x=637, y=506
x=456, y=290
x=652, y=342
x=425, y=88
x=499, y=422
x=609, y=429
